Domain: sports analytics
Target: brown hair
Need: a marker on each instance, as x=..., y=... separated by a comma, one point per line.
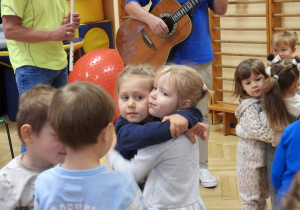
x=79, y=112
x=288, y=38
x=243, y=71
x=274, y=88
x=189, y=83
x=33, y=107
x=291, y=201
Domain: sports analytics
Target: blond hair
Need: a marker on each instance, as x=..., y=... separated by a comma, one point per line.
x=275, y=86
x=33, y=107
x=189, y=83
x=79, y=112
x=145, y=73
x=288, y=38
x=243, y=71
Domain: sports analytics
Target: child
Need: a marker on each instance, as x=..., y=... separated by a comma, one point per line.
x=291, y=201
x=250, y=158
x=44, y=150
x=135, y=128
x=282, y=105
x=286, y=160
x=168, y=164
x=284, y=44
x=82, y=115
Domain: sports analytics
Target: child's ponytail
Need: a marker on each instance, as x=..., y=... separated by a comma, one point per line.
x=283, y=74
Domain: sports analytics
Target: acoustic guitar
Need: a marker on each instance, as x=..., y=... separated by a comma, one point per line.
x=137, y=44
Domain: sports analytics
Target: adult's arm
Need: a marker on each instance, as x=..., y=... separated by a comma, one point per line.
x=136, y=11
x=220, y=6
x=14, y=30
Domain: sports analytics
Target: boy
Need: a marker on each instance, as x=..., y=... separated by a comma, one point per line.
x=44, y=150
x=82, y=115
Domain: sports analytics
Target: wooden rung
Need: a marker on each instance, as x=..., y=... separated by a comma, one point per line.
x=125, y=17
x=286, y=29
x=285, y=1
x=223, y=108
x=240, y=42
x=238, y=29
x=224, y=91
x=246, y=2
x=286, y=15
x=224, y=78
x=241, y=15
x=223, y=102
x=224, y=66
x=239, y=54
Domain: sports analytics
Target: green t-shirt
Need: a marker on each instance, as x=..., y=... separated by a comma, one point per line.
x=41, y=15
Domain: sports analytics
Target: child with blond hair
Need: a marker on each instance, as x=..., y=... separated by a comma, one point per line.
x=167, y=164
x=44, y=150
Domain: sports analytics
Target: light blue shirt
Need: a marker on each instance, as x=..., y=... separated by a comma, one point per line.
x=97, y=188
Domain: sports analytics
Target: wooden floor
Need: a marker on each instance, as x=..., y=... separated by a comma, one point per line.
x=222, y=153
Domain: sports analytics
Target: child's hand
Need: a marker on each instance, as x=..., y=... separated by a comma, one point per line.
x=199, y=129
x=179, y=124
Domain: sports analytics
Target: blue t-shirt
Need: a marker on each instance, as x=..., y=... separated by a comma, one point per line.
x=97, y=188
x=197, y=48
x=286, y=160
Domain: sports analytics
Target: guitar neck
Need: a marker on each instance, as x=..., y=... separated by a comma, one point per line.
x=183, y=10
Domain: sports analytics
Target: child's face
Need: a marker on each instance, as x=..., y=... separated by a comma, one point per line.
x=133, y=100
x=163, y=99
x=284, y=51
x=47, y=146
x=254, y=85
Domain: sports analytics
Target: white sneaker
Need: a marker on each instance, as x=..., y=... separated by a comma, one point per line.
x=206, y=179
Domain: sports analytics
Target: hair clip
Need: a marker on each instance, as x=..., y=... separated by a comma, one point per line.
x=276, y=76
x=204, y=88
x=296, y=64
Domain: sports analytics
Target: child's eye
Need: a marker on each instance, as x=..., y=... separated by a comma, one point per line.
x=124, y=97
x=258, y=79
x=164, y=93
x=139, y=98
x=154, y=88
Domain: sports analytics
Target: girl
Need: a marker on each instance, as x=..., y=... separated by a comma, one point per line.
x=282, y=104
x=167, y=164
x=135, y=128
x=249, y=78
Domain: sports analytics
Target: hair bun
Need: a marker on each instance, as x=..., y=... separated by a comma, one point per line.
x=270, y=57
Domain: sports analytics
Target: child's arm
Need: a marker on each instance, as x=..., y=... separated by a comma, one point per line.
x=134, y=136
x=252, y=127
x=279, y=165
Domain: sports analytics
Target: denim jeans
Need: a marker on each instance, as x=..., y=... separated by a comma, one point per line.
x=28, y=77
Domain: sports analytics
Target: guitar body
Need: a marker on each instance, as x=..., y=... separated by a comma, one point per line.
x=137, y=44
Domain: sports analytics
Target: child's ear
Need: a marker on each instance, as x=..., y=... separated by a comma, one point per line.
x=108, y=133
x=293, y=50
x=186, y=104
x=26, y=133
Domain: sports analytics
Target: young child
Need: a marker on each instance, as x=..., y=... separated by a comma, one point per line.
x=135, y=128
x=251, y=169
x=82, y=115
x=44, y=150
x=286, y=160
x=291, y=201
x=284, y=44
x=167, y=164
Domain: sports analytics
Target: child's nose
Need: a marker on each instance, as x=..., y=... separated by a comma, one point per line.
x=131, y=103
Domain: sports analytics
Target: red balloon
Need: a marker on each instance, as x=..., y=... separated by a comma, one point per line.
x=101, y=67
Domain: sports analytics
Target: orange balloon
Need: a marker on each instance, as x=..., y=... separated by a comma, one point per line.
x=101, y=67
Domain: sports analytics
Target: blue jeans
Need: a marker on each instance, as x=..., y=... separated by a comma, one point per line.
x=28, y=77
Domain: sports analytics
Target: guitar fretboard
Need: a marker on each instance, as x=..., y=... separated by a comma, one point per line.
x=183, y=10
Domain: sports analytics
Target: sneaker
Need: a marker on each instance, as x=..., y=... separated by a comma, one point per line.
x=207, y=180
